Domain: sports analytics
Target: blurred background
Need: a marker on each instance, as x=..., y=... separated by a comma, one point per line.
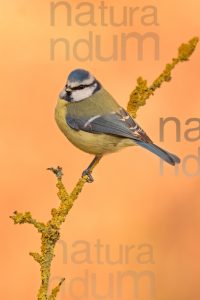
x=146, y=225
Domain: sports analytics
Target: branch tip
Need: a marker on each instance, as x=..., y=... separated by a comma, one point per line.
x=57, y=171
x=187, y=49
x=37, y=257
x=56, y=290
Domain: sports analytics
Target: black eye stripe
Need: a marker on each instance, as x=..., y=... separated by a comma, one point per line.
x=82, y=86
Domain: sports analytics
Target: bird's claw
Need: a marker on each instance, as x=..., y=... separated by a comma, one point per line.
x=87, y=173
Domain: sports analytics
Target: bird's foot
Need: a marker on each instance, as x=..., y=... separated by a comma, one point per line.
x=87, y=173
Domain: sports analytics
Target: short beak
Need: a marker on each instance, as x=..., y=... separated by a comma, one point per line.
x=63, y=94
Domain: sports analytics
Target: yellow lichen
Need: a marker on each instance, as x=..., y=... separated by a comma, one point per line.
x=50, y=232
x=142, y=92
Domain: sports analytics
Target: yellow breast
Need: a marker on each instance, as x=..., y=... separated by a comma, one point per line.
x=96, y=144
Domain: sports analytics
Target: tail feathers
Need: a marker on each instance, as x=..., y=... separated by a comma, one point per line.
x=165, y=155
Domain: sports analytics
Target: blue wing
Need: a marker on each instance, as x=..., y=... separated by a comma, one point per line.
x=120, y=124
x=117, y=123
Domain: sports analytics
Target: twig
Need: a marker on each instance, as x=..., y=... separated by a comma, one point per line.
x=142, y=92
x=50, y=232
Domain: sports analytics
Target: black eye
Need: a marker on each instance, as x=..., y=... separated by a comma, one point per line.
x=81, y=87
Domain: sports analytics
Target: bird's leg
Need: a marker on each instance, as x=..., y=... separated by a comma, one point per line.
x=88, y=172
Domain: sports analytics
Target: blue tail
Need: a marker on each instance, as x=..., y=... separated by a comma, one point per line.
x=165, y=155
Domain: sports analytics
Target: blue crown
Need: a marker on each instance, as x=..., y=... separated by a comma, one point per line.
x=78, y=75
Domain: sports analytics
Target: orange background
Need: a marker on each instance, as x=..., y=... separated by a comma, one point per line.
x=129, y=202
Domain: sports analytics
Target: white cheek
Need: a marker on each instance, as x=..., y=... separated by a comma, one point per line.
x=82, y=94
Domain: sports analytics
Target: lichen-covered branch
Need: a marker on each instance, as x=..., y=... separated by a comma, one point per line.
x=142, y=91
x=50, y=232
x=19, y=218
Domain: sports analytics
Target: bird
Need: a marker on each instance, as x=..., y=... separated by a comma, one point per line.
x=93, y=121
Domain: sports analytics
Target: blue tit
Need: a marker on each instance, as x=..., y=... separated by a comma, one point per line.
x=94, y=122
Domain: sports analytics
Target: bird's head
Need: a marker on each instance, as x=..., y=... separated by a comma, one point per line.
x=80, y=85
